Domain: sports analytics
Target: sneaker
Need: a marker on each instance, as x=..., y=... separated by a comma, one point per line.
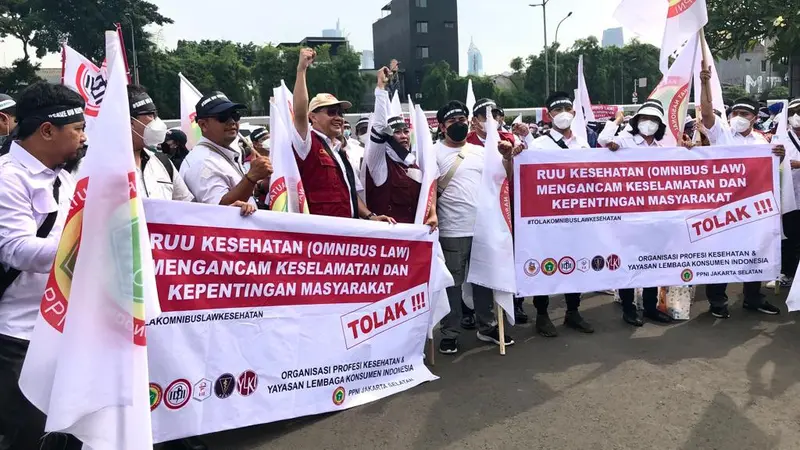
x=468, y=322
x=720, y=312
x=574, y=320
x=493, y=336
x=520, y=316
x=545, y=327
x=786, y=281
x=764, y=307
x=448, y=346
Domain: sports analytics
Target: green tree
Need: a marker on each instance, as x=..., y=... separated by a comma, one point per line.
x=436, y=83
x=734, y=27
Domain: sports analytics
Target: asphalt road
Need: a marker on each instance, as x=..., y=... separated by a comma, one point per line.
x=702, y=384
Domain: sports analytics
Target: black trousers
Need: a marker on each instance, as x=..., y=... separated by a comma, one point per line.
x=649, y=299
x=541, y=302
x=717, y=296
x=21, y=424
x=790, y=247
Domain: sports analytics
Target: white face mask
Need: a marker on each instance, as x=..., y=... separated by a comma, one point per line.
x=647, y=127
x=563, y=120
x=154, y=132
x=739, y=124
x=363, y=139
x=794, y=121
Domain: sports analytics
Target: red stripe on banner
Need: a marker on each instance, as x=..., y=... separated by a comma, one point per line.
x=584, y=188
x=201, y=268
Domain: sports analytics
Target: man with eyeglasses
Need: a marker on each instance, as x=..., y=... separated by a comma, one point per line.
x=214, y=170
x=328, y=176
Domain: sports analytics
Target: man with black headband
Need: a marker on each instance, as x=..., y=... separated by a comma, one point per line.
x=744, y=113
x=35, y=195
x=155, y=173
x=328, y=176
x=8, y=117
x=391, y=177
x=214, y=169
x=260, y=139
x=559, y=108
x=362, y=130
x=461, y=169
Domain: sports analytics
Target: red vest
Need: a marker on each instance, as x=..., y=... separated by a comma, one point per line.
x=324, y=182
x=474, y=139
x=397, y=197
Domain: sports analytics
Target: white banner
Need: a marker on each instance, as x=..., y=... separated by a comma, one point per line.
x=88, y=80
x=592, y=220
x=277, y=315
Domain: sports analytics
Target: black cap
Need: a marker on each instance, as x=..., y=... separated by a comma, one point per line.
x=214, y=103
x=7, y=104
x=258, y=133
x=453, y=109
x=746, y=104
x=558, y=99
x=141, y=103
x=482, y=104
x=177, y=136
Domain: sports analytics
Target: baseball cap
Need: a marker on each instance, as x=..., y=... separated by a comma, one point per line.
x=214, y=103
x=7, y=104
x=323, y=100
x=177, y=136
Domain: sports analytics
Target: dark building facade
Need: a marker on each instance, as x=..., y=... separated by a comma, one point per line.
x=416, y=33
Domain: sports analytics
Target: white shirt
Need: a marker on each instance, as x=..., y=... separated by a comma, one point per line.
x=26, y=198
x=210, y=175
x=633, y=141
x=157, y=184
x=545, y=142
x=302, y=146
x=609, y=133
x=717, y=135
x=375, y=157
x=458, y=205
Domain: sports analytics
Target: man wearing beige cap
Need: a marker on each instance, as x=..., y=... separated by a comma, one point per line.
x=328, y=177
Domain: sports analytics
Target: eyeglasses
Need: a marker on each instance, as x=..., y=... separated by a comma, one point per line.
x=334, y=112
x=228, y=115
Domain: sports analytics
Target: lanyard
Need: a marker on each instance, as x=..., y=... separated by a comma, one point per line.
x=226, y=157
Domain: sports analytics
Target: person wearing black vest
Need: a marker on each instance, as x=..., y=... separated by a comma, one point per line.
x=35, y=196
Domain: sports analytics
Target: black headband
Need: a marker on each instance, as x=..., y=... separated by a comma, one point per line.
x=455, y=112
x=258, y=134
x=57, y=115
x=397, y=123
x=559, y=102
x=142, y=104
x=746, y=107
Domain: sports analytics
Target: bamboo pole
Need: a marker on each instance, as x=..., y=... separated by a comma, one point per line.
x=501, y=327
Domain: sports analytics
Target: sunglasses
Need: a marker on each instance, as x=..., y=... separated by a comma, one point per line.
x=228, y=115
x=334, y=112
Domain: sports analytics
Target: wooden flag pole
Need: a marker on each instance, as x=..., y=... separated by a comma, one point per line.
x=501, y=325
x=431, y=352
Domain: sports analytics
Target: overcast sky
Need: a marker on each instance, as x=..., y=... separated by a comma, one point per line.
x=501, y=29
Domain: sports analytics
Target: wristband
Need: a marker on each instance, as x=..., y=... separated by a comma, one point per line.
x=370, y=216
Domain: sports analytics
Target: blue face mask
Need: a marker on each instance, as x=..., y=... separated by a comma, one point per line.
x=347, y=134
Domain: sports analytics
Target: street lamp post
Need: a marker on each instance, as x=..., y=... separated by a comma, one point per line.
x=546, y=57
x=555, y=69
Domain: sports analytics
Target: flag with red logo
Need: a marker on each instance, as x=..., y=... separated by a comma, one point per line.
x=88, y=80
x=671, y=21
x=286, y=192
x=86, y=366
x=490, y=264
x=189, y=98
x=673, y=92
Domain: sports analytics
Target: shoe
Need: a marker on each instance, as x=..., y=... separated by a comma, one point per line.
x=493, y=336
x=448, y=346
x=544, y=326
x=610, y=292
x=783, y=280
x=632, y=318
x=573, y=319
x=720, y=312
x=468, y=322
x=658, y=316
x=190, y=443
x=764, y=307
x=520, y=316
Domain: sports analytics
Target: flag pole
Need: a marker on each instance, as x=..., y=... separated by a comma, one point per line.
x=431, y=352
x=501, y=327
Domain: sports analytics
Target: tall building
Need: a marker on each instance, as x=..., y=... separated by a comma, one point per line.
x=367, y=60
x=333, y=33
x=613, y=37
x=475, y=60
x=416, y=33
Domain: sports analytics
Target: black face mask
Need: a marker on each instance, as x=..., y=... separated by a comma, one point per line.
x=457, y=132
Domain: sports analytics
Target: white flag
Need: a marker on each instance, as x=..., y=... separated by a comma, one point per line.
x=673, y=21
x=189, y=98
x=673, y=92
x=583, y=94
x=395, y=107
x=788, y=199
x=579, y=122
x=470, y=97
x=491, y=264
x=517, y=120
x=286, y=192
x=86, y=367
x=716, y=86
x=88, y=80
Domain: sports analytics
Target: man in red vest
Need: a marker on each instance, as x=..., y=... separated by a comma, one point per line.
x=392, y=179
x=478, y=137
x=328, y=177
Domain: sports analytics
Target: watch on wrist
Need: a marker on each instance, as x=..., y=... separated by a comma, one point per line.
x=370, y=216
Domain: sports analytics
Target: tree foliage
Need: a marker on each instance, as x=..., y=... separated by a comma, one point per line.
x=737, y=26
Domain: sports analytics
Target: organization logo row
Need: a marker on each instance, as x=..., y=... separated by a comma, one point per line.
x=567, y=265
x=178, y=393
